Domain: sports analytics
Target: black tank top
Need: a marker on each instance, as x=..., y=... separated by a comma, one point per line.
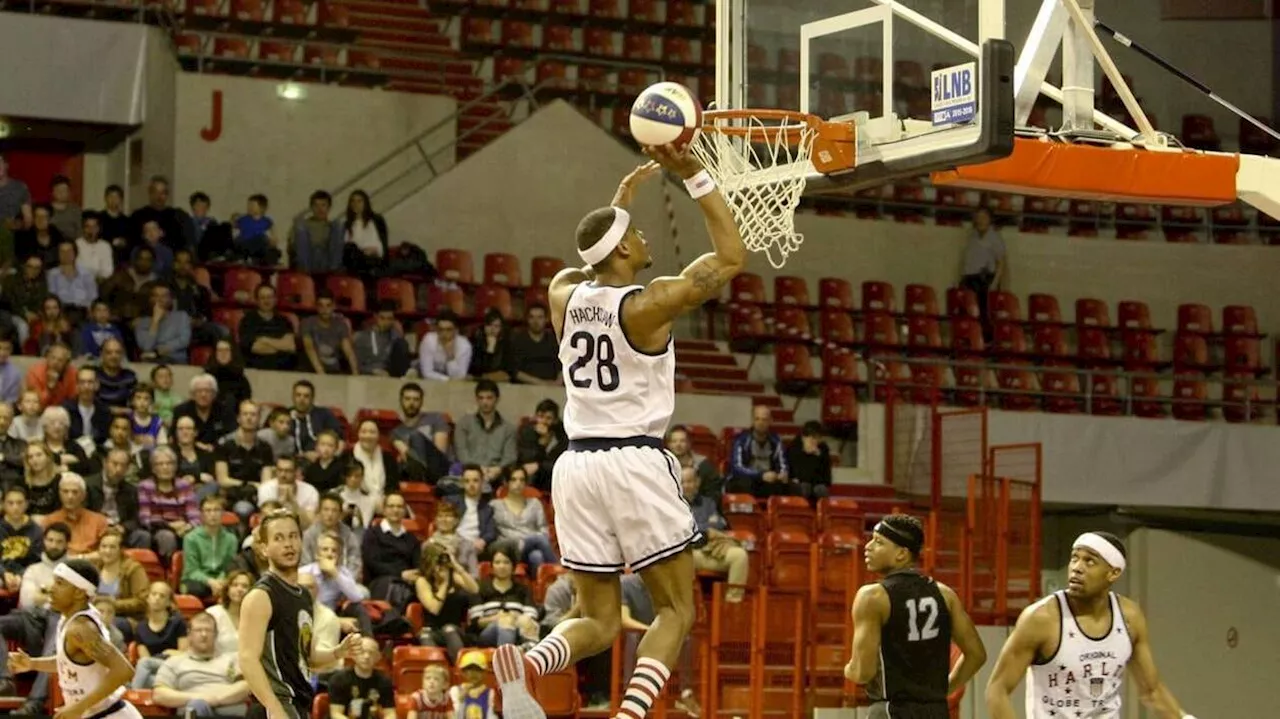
x=915, y=642
x=287, y=648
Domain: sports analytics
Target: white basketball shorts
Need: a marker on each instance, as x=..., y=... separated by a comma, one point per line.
x=120, y=709
x=618, y=503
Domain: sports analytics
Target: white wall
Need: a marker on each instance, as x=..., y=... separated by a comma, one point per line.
x=287, y=149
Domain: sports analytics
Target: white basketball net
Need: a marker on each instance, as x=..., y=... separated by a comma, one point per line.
x=761, y=180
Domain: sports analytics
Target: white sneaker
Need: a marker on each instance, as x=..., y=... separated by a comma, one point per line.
x=509, y=668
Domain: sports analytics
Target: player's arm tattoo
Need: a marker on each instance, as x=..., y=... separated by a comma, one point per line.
x=98, y=649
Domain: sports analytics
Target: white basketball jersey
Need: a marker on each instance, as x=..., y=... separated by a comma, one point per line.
x=1085, y=678
x=79, y=680
x=614, y=390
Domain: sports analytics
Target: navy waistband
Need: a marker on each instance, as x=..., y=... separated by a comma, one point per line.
x=117, y=706
x=600, y=444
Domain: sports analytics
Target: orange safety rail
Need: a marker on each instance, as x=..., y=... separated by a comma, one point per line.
x=779, y=683
x=982, y=548
x=1002, y=539
x=834, y=581
x=731, y=653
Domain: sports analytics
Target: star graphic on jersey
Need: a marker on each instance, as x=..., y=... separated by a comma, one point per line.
x=1062, y=667
x=1071, y=635
x=1067, y=690
x=1053, y=713
x=1119, y=630
x=1077, y=713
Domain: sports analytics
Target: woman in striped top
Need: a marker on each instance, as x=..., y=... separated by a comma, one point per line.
x=504, y=611
x=167, y=505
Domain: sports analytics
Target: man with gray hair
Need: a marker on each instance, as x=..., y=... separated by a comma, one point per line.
x=199, y=680
x=87, y=526
x=214, y=420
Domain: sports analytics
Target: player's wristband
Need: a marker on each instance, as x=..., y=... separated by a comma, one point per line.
x=700, y=185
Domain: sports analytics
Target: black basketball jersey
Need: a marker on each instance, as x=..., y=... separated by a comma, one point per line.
x=288, y=644
x=915, y=642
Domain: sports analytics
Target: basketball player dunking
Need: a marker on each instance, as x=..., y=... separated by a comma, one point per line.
x=1074, y=646
x=276, y=627
x=903, y=627
x=92, y=673
x=617, y=496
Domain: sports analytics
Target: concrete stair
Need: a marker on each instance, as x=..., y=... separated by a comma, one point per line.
x=707, y=367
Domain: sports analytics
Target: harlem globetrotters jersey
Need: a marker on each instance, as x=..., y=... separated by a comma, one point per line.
x=1085, y=678
x=80, y=680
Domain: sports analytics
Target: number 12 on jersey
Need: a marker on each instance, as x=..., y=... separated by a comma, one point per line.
x=597, y=349
x=925, y=608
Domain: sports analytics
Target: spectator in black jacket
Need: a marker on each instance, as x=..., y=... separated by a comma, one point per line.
x=21, y=539
x=12, y=450
x=267, y=339
x=390, y=555
x=540, y=443
x=475, y=516
x=196, y=300
x=810, y=461
x=308, y=420
x=109, y=493
x=227, y=367
x=179, y=230
x=214, y=420
x=88, y=404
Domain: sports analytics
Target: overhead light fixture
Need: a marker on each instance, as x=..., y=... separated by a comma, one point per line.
x=291, y=91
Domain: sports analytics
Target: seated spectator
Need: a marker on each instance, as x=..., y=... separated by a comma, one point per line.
x=251, y=560
x=87, y=526
x=75, y=288
x=758, y=461
x=10, y=373
x=381, y=470
x=534, y=352
x=423, y=437
x=540, y=443
x=148, y=429
x=326, y=631
x=475, y=513
x=212, y=420
x=367, y=242
x=53, y=326
x=110, y=493
x=329, y=521
x=317, y=239
x=326, y=339
x=66, y=214
x=20, y=538
x=433, y=701
x=32, y=626
x=267, y=340
x=380, y=348
x=226, y=613
x=444, y=354
x=445, y=590
x=447, y=537
x=162, y=634
x=12, y=449
x=41, y=239
x=68, y=455
x=522, y=521
x=41, y=480
x=196, y=300
x=504, y=611
x=721, y=553
x=26, y=427
x=278, y=434
x=679, y=445
x=115, y=381
x=241, y=461
x=106, y=607
x=485, y=438
x=121, y=577
x=179, y=230
x=89, y=416
x=162, y=392
x=308, y=420
x=202, y=222
x=359, y=505
x=283, y=485
x=201, y=681
x=362, y=692
x=474, y=697
x=128, y=291
x=96, y=330
x=167, y=505
x=254, y=234
x=390, y=555
x=325, y=473
x=207, y=552
x=164, y=333
x=810, y=461
x=53, y=379
x=195, y=464
x=336, y=586
x=120, y=436
x=489, y=349
x=155, y=239
x=117, y=227
x=25, y=293
x=95, y=256
x=227, y=367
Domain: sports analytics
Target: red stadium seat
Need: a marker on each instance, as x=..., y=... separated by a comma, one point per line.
x=502, y=269
x=248, y=10
x=790, y=514
x=201, y=355
x=835, y=293
x=790, y=559
x=1191, y=353
x=1061, y=391
x=1050, y=341
x=296, y=291
x=791, y=291
x=791, y=323
x=407, y=663
x=1008, y=340
x=544, y=269
x=1043, y=309
x=836, y=327
x=491, y=296
x=880, y=332
x=1239, y=320
x=1104, y=394
x=446, y=298
x=921, y=300
x=839, y=365
x=1195, y=318
x=966, y=337
x=1241, y=402
x=149, y=561
x=962, y=302
x=455, y=266
x=747, y=287
x=290, y=12
x=1144, y=393
x=348, y=293
x=202, y=278
x=1242, y=354
x=1134, y=315
x=743, y=513
x=839, y=514
x=924, y=335
x=1018, y=389
x=1093, y=349
x=746, y=328
x=1190, y=398
x=877, y=297
x=239, y=285
x=839, y=409
x=1004, y=306
x=1092, y=313
x=401, y=292
x=793, y=369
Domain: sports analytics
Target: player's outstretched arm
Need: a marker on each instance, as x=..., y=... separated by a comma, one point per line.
x=20, y=662
x=84, y=638
x=346, y=648
x=965, y=636
x=1151, y=688
x=1017, y=654
x=870, y=609
x=255, y=614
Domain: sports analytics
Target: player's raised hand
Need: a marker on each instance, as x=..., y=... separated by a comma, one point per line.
x=19, y=662
x=678, y=160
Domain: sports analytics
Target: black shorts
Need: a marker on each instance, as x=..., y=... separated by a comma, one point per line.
x=909, y=710
x=295, y=708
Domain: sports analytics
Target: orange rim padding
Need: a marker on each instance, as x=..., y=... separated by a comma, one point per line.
x=1085, y=172
x=834, y=143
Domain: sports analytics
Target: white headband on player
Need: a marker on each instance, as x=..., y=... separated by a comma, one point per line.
x=597, y=253
x=74, y=578
x=1108, y=551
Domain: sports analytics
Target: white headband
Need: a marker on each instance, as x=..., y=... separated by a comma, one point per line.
x=74, y=578
x=1105, y=549
x=596, y=253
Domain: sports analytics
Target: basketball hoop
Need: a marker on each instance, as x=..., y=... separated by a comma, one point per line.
x=760, y=160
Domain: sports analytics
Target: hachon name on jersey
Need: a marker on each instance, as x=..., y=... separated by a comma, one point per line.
x=598, y=315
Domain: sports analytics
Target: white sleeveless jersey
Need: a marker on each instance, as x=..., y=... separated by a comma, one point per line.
x=614, y=390
x=1085, y=678
x=79, y=680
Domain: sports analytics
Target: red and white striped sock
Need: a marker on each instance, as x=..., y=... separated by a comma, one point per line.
x=643, y=689
x=551, y=655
